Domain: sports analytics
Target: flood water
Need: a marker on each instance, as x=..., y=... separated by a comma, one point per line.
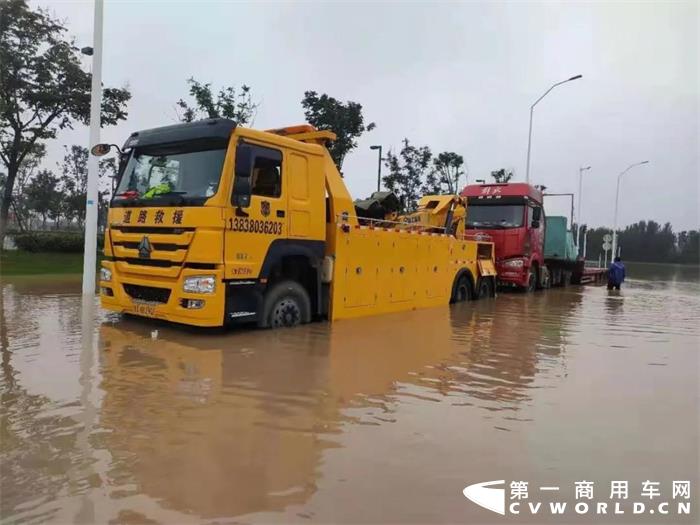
x=377, y=420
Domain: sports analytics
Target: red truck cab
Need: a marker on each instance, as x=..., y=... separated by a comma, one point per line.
x=512, y=217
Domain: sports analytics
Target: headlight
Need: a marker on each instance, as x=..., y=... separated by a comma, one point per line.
x=514, y=263
x=105, y=274
x=199, y=284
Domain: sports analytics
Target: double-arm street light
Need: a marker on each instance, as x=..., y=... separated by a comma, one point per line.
x=532, y=109
x=379, y=165
x=578, y=211
x=617, y=200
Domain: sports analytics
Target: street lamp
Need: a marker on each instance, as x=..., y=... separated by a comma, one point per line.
x=578, y=213
x=532, y=108
x=379, y=165
x=90, y=247
x=617, y=200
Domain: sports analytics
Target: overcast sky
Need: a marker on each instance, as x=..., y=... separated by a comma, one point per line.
x=453, y=76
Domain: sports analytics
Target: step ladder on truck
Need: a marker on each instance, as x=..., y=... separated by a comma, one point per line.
x=213, y=223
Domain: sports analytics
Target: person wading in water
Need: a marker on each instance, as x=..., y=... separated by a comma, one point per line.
x=616, y=274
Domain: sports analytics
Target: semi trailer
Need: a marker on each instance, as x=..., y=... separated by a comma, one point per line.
x=213, y=223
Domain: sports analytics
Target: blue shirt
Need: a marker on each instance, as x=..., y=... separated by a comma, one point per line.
x=616, y=273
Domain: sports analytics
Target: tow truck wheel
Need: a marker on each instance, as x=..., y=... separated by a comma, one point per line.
x=484, y=288
x=463, y=290
x=286, y=304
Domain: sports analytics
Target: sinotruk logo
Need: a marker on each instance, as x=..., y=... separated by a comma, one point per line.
x=617, y=497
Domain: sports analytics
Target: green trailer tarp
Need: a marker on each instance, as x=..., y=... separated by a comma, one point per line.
x=558, y=240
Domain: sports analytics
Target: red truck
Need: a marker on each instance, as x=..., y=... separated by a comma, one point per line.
x=532, y=250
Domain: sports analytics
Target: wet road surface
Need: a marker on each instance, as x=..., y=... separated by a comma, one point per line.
x=377, y=420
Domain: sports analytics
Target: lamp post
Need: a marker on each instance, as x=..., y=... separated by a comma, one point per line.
x=90, y=247
x=578, y=213
x=532, y=109
x=617, y=200
x=379, y=165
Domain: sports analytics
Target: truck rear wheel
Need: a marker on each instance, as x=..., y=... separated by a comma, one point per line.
x=462, y=291
x=286, y=304
x=484, y=288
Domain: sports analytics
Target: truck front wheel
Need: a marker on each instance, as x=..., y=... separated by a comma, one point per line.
x=286, y=304
x=532, y=278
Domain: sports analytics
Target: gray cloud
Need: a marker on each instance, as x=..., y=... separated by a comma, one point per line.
x=455, y=76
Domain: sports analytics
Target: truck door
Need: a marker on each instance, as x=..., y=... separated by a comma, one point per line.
x=298, y=196
x=250, y=231
x=535, y=219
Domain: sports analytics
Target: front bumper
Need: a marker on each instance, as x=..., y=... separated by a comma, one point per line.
x=171, y=309
x=510, y=276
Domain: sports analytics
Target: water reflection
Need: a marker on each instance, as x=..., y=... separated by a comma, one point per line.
x=236, y=424
x=107, y=418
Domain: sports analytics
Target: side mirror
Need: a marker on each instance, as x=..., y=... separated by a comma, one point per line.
x=241, y=182
x=536, y=214
x=535, y=224
x=100, y=150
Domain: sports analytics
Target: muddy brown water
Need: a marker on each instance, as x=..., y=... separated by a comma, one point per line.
x=377, y=420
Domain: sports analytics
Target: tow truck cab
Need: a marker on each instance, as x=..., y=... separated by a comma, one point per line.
x=182, y=236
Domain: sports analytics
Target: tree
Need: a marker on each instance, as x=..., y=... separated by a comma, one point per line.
x=42, y=89
x=408, y=173
x=343, y=119
x=502, y=175
x=228, y=103
x=25, y=173
x=74, y=176
x=444, y=179
x=43, y=196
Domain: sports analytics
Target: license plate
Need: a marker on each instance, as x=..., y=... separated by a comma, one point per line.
x=143, y=308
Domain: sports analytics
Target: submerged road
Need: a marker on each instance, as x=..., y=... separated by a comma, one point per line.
x=373, y=420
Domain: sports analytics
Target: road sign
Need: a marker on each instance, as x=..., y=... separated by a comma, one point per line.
x=607, y=238
x=606, y=246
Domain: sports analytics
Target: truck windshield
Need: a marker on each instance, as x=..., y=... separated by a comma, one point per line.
x=495, y=216
x=172, y=176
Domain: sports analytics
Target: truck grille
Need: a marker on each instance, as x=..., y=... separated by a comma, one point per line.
x=147, y=293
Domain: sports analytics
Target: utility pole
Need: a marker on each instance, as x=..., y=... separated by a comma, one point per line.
x=617, y=202
x=90, y=251
x=578, y=213
x=532, y=109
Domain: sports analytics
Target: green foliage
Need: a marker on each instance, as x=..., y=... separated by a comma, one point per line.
x=228, y=103
x=648, y=241
x=62, y=242
x=447, y=170
x=502, y=175
x=42, y=195
x=42, y=88
x=345, y=119
x=74, y=175
x=408, y=173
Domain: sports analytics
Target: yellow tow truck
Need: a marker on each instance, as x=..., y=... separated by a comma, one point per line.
x=212, y=223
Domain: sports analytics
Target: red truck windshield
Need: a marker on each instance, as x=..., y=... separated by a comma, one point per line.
x=495, y=216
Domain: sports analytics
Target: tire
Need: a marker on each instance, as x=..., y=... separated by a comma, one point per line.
x=462, y=291
x=531, y=280
x=286, y=304
x=484, y=289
